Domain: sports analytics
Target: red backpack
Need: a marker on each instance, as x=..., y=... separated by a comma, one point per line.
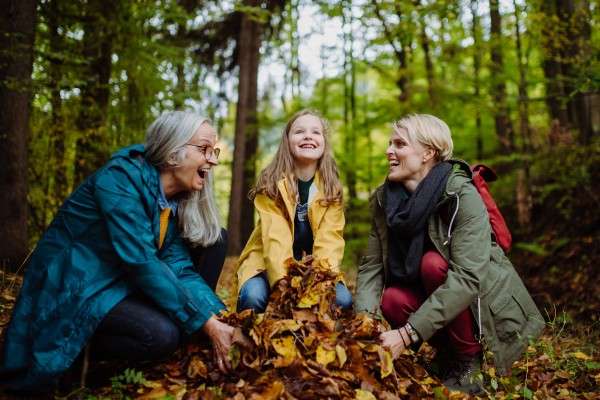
x=481, y=175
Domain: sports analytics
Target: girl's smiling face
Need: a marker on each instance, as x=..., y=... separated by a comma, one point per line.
x=307, y=142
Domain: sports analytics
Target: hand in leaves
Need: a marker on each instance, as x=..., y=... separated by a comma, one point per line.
x=394, y=342
x=220, y=335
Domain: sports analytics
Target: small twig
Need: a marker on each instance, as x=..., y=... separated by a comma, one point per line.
x=16, y=273
x=296, y=336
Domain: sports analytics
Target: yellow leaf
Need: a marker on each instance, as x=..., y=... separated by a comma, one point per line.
x=178, y=391
x=153, y=384
x=284, y=346
x=156, y=393
x=197, y=367
x=386, y=366
x=234, y=355
x=492, y=371
x=428, y=380
x=140, y=390
x=369, y=347
x=9, y=297
x=341, y=353
x=325, y=356
x=202, y=387
x=296, y=281
x=290, y=324
x=563, y=391
x=310, y=299
x=308, y=341
x=364, y=395
x=597, y=376
x=580, y=355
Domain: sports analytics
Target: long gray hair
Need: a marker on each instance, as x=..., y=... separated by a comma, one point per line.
x=166, y=140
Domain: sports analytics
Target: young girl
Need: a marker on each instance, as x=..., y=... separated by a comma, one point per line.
x=299, y=199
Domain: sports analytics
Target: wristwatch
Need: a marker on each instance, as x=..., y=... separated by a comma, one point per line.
x=414, y=336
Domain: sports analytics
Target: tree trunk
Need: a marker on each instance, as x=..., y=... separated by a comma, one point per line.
x=245, y=129
x=95, y=95
x=476, y=60
x=402, y=81
x=525, y=207
x=251, y=153
x=504, y=129
x=17, y=18
x=578, y=12
x=428, y=62
x=58, y=134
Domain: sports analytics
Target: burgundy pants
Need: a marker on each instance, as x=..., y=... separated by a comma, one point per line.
x=400, y=301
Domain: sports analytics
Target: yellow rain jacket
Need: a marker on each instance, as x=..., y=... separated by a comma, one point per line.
x=272, y=240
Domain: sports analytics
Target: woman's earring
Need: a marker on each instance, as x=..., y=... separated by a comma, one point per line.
x=424, y=160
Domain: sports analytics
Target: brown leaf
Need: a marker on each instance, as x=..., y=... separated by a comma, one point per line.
x=294, y=370
x=319, y=368
x=207, y=394
x=404, y=383
x=242, y=340
x=388, y=396
x=192, y=395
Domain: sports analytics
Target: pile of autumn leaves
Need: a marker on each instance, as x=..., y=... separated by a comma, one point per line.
x=302, y=347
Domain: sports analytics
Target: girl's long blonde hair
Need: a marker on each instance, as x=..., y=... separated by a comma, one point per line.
x=283, y=165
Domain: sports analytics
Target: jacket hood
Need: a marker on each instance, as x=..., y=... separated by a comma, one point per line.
x=460, y=166
x=125, y=151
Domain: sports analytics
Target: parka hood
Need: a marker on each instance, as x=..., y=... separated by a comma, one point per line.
x=125, y=152
x=460, y=166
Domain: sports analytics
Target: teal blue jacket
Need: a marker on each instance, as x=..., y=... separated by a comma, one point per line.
x=100, y=246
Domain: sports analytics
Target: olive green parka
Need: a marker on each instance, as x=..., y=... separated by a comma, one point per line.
x=479, y=275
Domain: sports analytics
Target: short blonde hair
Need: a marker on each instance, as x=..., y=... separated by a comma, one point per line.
x=429, y=131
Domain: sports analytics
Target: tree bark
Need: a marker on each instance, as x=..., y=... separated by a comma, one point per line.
x=251, y=152
x=95, y=94
x=504, y=129
x=428, y=61
x=476, y=61
x=245, y=131
x=60, y=188
x=17, y=33
x=402, y=81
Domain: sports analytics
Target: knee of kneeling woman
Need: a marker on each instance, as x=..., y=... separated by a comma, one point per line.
x=433, y=265
x=343, y=298
x=165, y=338
x=258, y=303
x=393, y=306
x=254, y=294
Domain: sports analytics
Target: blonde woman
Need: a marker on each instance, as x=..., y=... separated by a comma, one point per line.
x=433, y=264
x=300, y=202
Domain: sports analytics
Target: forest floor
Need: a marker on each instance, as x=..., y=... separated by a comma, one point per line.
x=563, y=363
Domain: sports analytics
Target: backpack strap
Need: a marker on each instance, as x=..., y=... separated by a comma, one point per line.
x=481, y=175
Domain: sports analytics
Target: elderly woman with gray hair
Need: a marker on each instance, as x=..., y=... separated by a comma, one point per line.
x=130, y=261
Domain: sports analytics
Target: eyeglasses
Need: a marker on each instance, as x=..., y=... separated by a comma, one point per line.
x=207, y=150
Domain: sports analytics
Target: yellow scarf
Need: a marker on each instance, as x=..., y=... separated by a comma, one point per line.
x=164, y=223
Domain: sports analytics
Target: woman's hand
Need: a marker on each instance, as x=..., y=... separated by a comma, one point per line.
x=394, y=342
x=220, y=336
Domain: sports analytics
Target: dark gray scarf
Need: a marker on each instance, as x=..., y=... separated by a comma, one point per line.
x=407, y=220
